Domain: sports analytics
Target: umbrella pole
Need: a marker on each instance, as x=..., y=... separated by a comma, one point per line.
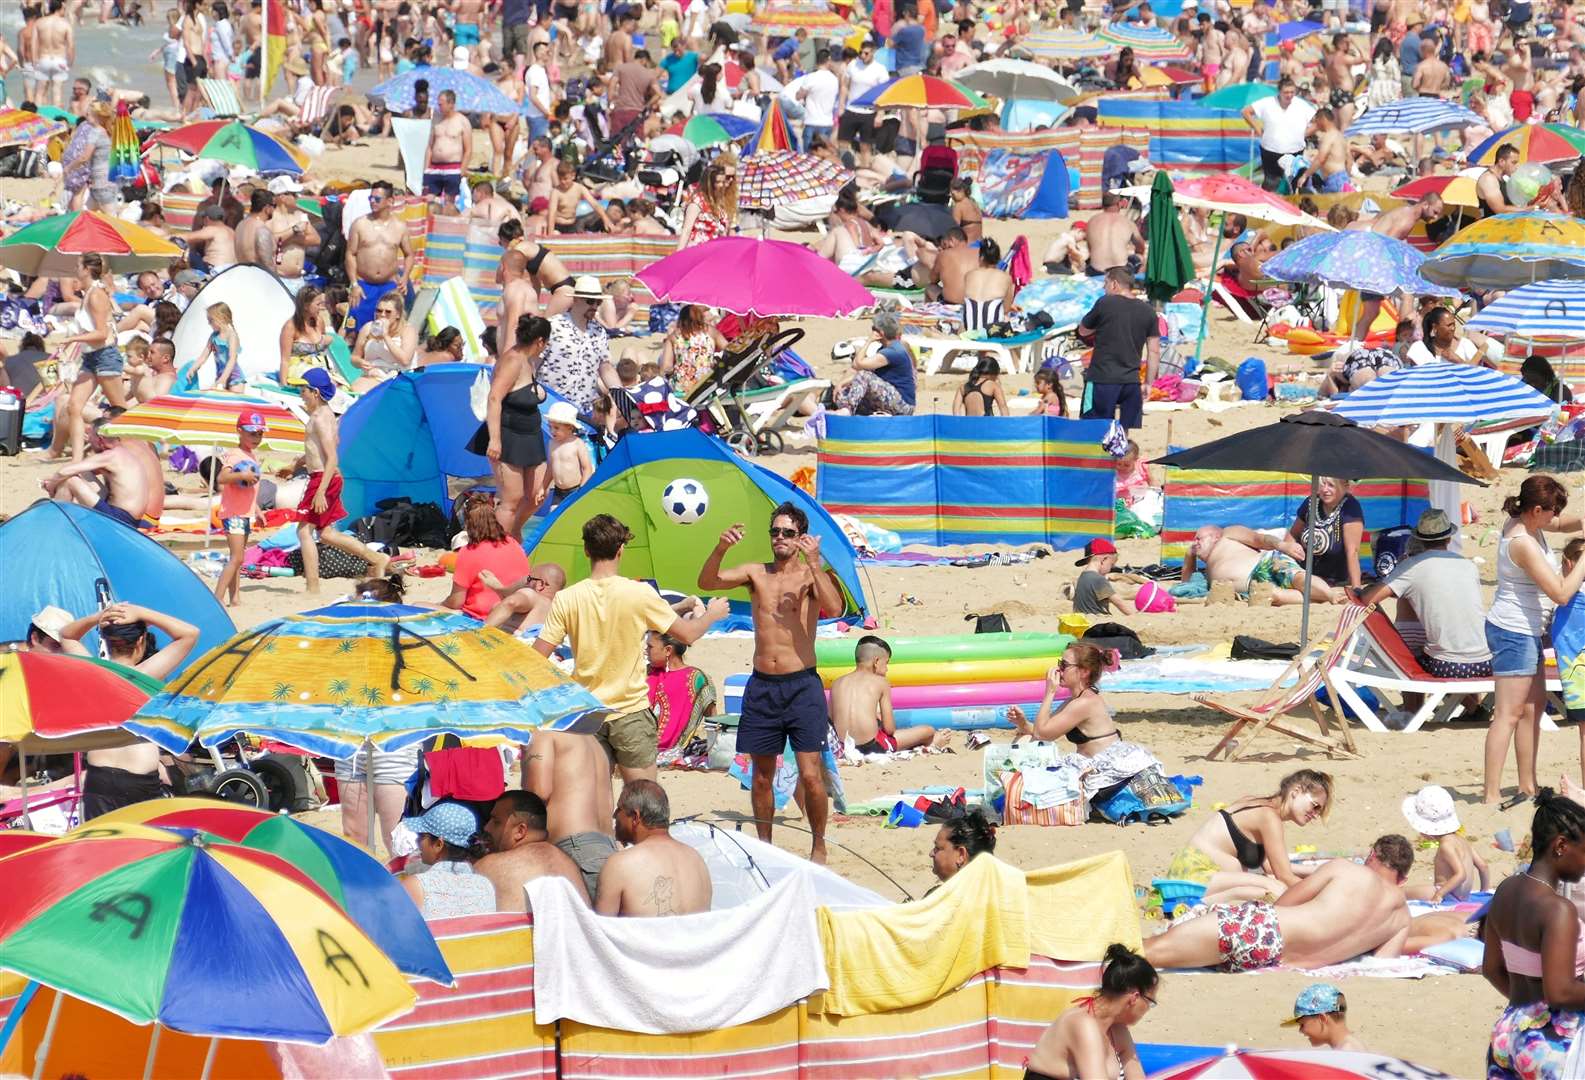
x=209, y=1057
x=1309, y=565
x=368, y=797
x=22, y=773
x=49, y=1036
x=1205, y=301
x=154, y=1046
x=214, y=471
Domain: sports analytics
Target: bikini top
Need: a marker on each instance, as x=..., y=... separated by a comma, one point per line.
x=1077, y=737
x=537, y=261
x=1251, y=854
x=1520, y=960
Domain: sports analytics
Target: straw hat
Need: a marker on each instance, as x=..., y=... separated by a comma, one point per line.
x=295, y=66
x=587, y=287
x=1430, y=811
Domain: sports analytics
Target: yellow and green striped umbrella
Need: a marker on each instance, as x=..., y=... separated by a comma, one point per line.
x=208, y=419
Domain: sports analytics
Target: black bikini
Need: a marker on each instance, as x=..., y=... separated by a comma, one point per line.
x=1251, y=854
x=537, y=261
x=1078, y=738
x=987, y=401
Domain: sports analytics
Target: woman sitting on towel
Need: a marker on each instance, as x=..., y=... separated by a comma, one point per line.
x=449, y=844
x=1241, y=853
x=1091, y=1036
x=1106, y=760
x=680, y=696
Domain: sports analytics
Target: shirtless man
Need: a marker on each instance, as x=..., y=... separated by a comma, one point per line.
x=489, y=210
x=255, y=243
x=320, y=508
x=123, y=491
x=294, y=234
x=1341, y=911
x=1519, y=70
x=449, y=151
x=1213, y=47
x=1491, y=186
x=567, y=197
x=573, y=775
x=861, y=705
x=1248, y=558
x=465, y=31
x=1114, y=238
x=784, y=697
x=526, y=601
x=54, y=50
x=1329, y=165
x=656, y=875
x=1432, y=78
x=1397, y=223
x=1338, y=63
x=213, y=246
x=379, y=255
x=619, y=44
x=539, y=174
x=520, y=850
x=955, y=259
x=519, y=294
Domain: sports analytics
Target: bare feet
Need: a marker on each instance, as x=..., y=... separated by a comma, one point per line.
x=381, y=563
x=817, y=854
x=941, y=740
x=1339, y=596
x=1571, y=790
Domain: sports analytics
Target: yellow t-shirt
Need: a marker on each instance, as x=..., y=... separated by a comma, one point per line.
x=606, y=619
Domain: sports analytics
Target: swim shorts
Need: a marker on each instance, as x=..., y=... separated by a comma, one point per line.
x=1531, y=1041
x=390, y=766
x=372, y=293
x=1275, y=567
x=106, y=788
x=883, y=743
x=631, y=740
x=466, y=33
x=1248, y=936
x=237, y=526
x=443, y=178
x=333, y=512
x=589, y=850
x=53, y=69
x=777, y=708
x=110, y=510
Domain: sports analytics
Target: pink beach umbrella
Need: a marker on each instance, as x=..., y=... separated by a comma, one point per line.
x=756, y=277
x=1237, y=1064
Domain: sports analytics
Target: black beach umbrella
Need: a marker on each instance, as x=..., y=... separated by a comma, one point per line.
x=928, y=220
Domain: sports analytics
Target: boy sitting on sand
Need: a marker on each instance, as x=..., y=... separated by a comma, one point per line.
x=1431, y=813
x=1321, y=1015
x=1093, y=593
x=861, y=705
x=570, y=464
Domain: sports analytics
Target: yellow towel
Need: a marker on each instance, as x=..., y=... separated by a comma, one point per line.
x=1077, y=909
x=891, y=958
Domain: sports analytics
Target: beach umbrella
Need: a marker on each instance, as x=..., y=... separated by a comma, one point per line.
x=50, y=247
x=773, y=134
x=1236, y=195
x=1442, y=394
x=1506, y=250
x=194, y=934
x=1536, y=142
x=1017, y=80
x=1414, y=116
x=922, y=92
x=1239, y=96
x=782, y=176
x=15, y=840
x=55, y=703
x=929, y=220
x=1353, y=259
x=1544, y=309
x=474, y=93
x=1148, y=42
x=1328, y=1064
x=208, y=420
x=1154, y=76
x=781, y=19
x=124, y=165
x=235, y=143
x=1169, y=264
x=1455, y=189
x=1315, y=443
x=19, y=127
x=716, y=129
x=348, y=874
x=1063, y=44
x=762, y=277
x=1293, y=31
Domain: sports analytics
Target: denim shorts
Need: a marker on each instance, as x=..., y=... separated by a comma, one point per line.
x=238, y=526
x=1513, y=654
x=105, y=361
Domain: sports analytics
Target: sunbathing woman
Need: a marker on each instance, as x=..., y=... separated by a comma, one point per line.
x=1241, y=853
x=1090, y=1038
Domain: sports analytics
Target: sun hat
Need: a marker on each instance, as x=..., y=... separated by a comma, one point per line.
x=250, y=421
x=562, y=412
x=51, y=621
x=448, y=821
x=587, y=287
x=1433, y=526
x=1430, y=811
x=1317, y=999
x=1094, y=548
x=284, y=185
x=842, y=350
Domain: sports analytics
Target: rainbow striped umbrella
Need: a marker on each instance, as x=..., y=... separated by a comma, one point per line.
x=1148, y=42
x=50, y=247
x=192, y=933
x=922, y=92
x=59, y=704
x=124, y=164
x=236, y=143
x=773, y=133
x=208, y=419
x=1063, y=44
x=1536, y=142
x=18, y=127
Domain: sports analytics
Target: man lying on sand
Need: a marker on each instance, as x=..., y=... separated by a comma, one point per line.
x=1250, y=559
x=1341, y=911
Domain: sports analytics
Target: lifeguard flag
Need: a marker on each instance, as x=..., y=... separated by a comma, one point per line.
x=274, y=44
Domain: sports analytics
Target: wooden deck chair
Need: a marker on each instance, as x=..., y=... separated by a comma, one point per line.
x=315, y=105
x=1311, y=669
x=221, y=97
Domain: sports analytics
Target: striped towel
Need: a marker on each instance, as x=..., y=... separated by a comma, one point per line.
x=454, y=306
x=221, y=95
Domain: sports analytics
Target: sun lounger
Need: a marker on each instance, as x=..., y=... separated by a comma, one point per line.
x=1379, y=658
x=774, y=407
x=221, y=96
x=1015, y=354
x=1313, y=670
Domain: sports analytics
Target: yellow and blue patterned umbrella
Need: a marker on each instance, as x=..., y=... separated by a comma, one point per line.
x=1507, y=250
x=360, y=674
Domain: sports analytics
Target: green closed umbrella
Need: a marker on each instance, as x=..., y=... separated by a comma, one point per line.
x=1168, y=262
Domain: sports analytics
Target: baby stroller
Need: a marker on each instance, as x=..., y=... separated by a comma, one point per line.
x=719, y=395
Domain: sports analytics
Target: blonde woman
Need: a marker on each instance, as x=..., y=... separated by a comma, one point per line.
x=711, y=212
x=93, y=153
x=385, y=346
x=102, y=362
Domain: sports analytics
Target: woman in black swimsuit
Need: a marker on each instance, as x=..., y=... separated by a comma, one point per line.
x=511, y=435
x=981, y=393
x=544, y=269
x=1090, y=1038
x=1241, y=853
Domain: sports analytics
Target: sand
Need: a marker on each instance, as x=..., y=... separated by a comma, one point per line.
x=1443, y=1022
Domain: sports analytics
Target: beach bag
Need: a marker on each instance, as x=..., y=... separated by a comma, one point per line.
x=989, y=624
x=1148, y=797
x=1246, y=647
x=403, y=523
x=333, y=563
x=1016, y=811
x=479, y=396
x=1114, y=635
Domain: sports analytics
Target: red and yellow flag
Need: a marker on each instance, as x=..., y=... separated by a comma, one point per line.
x=274, y=44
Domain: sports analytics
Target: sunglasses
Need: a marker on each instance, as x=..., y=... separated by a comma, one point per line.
x=783, y=534
x=1065, y=665
x=1150, y=1000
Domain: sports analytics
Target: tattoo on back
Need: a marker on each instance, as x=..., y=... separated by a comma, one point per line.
x=660, y=896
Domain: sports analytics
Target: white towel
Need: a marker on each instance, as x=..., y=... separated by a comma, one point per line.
x=673, y=975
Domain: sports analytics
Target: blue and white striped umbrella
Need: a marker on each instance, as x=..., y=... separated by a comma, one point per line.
x=1443, y=394
x=1545, y=309
x=1414, y=116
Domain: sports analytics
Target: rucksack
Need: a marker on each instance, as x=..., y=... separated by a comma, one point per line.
x=403, y=523
x=1113, y=635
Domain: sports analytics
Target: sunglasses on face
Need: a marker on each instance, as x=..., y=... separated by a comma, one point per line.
x=1066, y=665
x=783, y=534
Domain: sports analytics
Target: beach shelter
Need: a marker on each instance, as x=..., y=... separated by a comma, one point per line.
x=260, y=306
x=628, y=486
x=92, y=560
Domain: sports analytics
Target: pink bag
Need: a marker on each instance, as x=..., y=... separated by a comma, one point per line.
x=1153, y=597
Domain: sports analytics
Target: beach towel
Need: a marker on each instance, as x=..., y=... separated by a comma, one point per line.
x=679, y=974
x=412, y=138
x=454, y=306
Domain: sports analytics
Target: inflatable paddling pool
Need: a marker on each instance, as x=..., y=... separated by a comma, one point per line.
x=838, y=652
x=960, y=671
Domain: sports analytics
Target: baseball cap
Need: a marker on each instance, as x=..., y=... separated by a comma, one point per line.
x=1094, y=548
x=318, y=379
x=1317, y=999
x=448, y=821
x=250, y=421
x=284, y=185
x=51, y=621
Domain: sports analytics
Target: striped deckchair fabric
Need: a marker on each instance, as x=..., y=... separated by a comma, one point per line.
x=1197, y=497
x=221, y=97
x=180, y=208
x=315, y=105
x=457, y=250
x=608, y=256
x=1019, y=1007
x=414, y=212
x=947, y=480
x=454, y=306
x=1184, y=138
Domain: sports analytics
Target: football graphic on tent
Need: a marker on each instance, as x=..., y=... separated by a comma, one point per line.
x=685, y=501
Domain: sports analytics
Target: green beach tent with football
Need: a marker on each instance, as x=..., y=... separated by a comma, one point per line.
x=629, y=484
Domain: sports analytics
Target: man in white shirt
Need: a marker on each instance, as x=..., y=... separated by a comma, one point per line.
x=862, y=74
x=536, y=93
x=1281, y=122
x=817, y=93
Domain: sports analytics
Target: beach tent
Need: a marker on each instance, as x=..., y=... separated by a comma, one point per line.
x=628, y=485
x=1018, y=185
x=57, y=553
x=260, y=306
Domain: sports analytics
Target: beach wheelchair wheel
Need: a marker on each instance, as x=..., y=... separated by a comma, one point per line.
x=241, y=786
x=743, y=443
x=285, y=781
x=770, y=442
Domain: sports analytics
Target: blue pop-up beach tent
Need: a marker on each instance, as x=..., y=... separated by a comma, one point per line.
x=57, y=553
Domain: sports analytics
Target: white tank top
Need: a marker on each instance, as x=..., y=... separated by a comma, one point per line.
x=85, y=318
x=1519, y=605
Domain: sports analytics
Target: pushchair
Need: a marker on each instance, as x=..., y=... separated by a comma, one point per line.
x=720, y=394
